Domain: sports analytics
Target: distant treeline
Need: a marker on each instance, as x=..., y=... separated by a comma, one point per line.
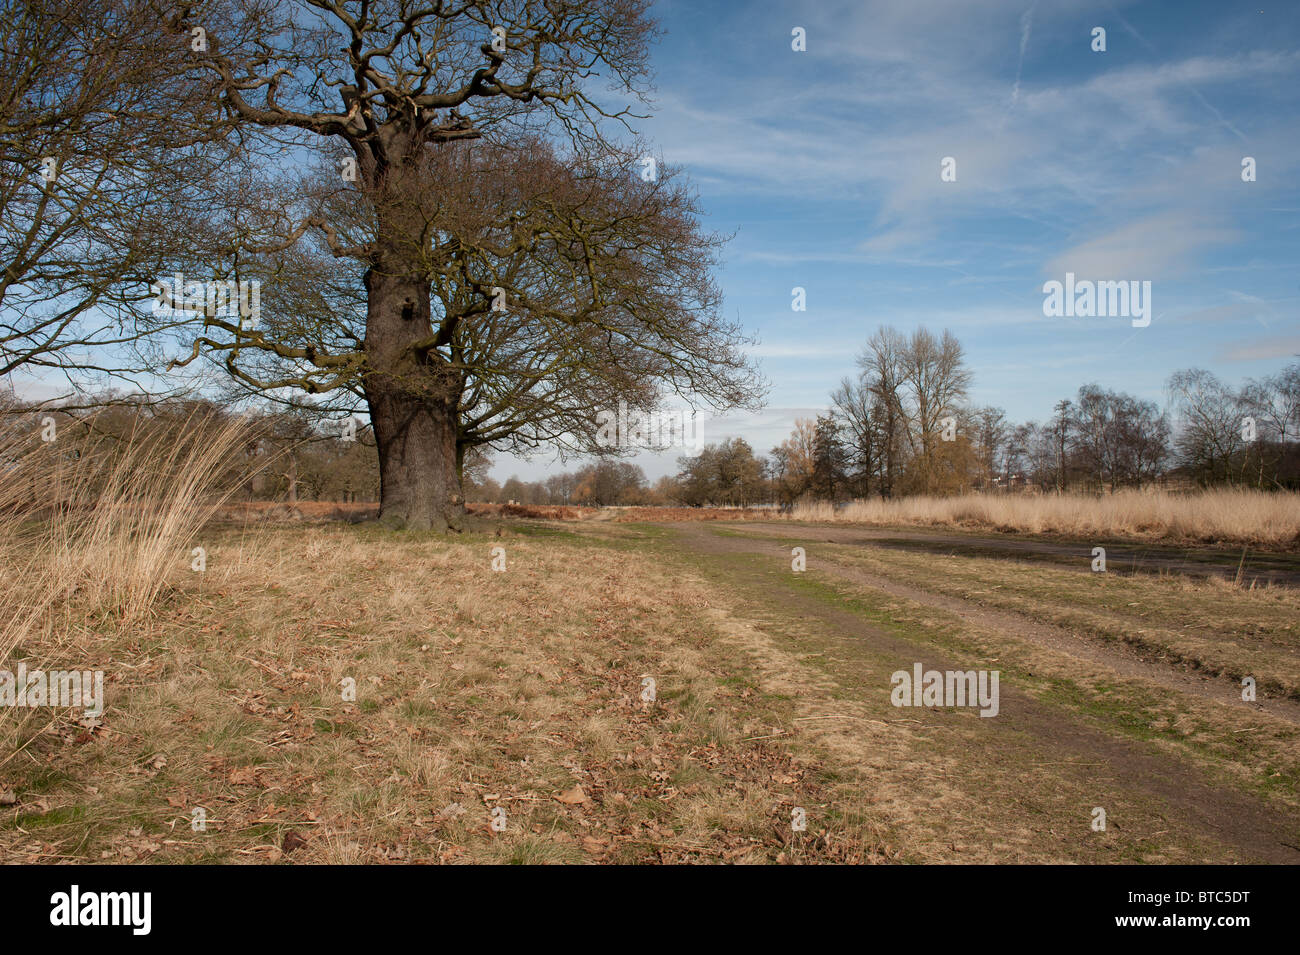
x=900, y=426
x=282, y=457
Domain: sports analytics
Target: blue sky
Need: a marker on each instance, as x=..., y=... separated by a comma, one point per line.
x=1120, y=165
x=825, y=164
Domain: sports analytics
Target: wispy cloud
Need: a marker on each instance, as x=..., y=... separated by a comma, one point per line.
x=1281, y=346
x=1124, y=164
x=1155, y=247
x=1026, y=24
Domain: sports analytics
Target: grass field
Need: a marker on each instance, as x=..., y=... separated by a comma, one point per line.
x=1221, y=515
x=522, y=690
x=1216, y=516
x=611, y=689
x=475, y=690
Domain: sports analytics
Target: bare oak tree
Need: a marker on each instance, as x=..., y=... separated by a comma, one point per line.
x=508, y=267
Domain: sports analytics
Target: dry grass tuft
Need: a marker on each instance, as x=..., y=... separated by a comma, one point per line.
x=1224, y=515
x=91, y=529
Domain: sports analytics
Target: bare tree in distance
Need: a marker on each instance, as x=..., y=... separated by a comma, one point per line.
x=1209, y=416
x=1061, y=429
x=852, y=402
x=1275, y=403
x=935, y=379
x=881, y=366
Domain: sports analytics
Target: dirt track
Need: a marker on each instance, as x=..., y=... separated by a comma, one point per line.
x=1185, y=800
x=1121, y=557
x=1120, y=660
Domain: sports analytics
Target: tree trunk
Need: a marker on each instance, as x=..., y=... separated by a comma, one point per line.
x=412, y=392
x=292, y=476
x=413, y=401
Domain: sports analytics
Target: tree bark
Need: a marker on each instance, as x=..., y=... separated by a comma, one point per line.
x=292, y=476
x=413, y=401
x=412, y=392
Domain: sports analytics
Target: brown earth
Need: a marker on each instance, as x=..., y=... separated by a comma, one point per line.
x=1170, y=792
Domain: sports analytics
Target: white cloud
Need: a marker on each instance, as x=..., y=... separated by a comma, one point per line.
x=1282, y=346
x=1156, y=247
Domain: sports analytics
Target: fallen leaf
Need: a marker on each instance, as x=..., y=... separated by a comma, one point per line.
x=292, y=841
x=572, y=797
x=243, y=776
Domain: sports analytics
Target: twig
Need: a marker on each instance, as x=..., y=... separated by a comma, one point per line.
x=860, y=719
x=257, y=664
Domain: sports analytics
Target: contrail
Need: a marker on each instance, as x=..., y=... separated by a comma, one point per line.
x=1192, y=89
x=1026, y=24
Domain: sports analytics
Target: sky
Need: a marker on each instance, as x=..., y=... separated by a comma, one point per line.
x=825, y=165
x=1122, y=165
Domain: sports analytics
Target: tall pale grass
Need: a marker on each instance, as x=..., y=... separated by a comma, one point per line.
x=1227, y=515
x=92, y=527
